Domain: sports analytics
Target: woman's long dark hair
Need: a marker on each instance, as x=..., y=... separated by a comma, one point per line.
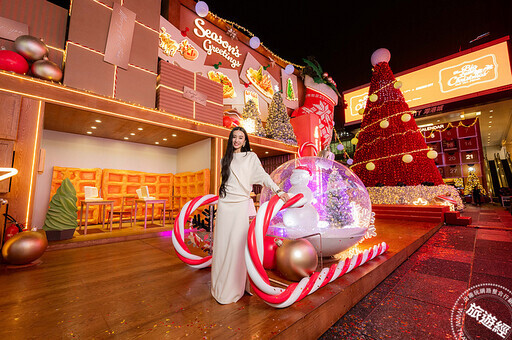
x=228, y=157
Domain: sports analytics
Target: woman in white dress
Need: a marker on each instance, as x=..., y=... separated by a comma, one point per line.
x=241, y=168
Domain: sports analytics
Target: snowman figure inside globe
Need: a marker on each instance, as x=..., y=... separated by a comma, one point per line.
x=306, y=216
x=336, y=204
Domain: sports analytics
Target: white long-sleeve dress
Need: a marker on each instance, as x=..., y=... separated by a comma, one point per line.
x=232, y=225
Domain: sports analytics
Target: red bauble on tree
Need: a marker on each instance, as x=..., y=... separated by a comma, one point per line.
x=390, y=148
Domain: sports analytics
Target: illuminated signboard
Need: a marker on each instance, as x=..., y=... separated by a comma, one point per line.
x=468, y=74
x=215, y=43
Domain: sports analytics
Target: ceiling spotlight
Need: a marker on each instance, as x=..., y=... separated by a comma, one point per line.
x=164, y=138
x=89, y=132
x=462, y=116
x=98, y=121
x=490, y=122
x=491, y=110
x=132, y=134
x=478, y=113
x=140, y=129
x=489, y=126
x=126, y=138
x=157, y=143
x=93, y=127
x=174, y=135
x=266, y=151
x=490, y=116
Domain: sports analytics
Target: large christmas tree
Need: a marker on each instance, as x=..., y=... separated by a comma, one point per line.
x=278, y=122
x=472, y=182
x=251, y=120
x=390, y=148
x=337, y=207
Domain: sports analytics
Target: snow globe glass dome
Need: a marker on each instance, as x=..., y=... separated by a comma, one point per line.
x=336, y=204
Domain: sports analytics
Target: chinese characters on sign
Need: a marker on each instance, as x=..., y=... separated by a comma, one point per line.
x=488, y=320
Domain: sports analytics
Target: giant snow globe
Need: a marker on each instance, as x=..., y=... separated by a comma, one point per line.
x=336, y=211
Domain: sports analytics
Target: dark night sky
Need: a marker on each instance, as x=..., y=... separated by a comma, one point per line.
x=342, y=36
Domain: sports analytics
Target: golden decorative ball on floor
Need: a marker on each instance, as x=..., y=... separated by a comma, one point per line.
x=24, y=247
x=296, y=259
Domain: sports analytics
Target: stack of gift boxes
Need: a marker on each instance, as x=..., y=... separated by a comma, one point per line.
x=92, y=24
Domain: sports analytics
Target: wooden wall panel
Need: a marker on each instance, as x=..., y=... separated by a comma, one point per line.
x=148, y=11
x=144, y=51
x=6, y=149
x=134, y=85
x=44, y=19
x=21, y=196
x=87, y=70
x=9, y=114
x=215, y=165
x=88, y=25
x=3, y=210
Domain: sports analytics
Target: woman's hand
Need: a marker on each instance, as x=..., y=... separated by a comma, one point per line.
x=284, y=196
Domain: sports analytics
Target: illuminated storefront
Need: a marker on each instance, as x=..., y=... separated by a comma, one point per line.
x=453, y=99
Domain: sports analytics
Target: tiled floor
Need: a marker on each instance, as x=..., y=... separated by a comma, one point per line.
x=416, y=300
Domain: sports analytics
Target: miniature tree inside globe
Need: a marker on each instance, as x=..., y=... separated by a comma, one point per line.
x=338, y=231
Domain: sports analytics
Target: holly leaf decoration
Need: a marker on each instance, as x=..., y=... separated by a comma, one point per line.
x=315, y=71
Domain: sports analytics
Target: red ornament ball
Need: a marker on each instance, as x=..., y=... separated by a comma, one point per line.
x=227, y=122
x=12, y=61
x=269, y=252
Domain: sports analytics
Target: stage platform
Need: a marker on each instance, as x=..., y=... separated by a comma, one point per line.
x=140, y=289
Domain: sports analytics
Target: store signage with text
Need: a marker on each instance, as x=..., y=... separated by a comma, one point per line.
x=214, y=43
x=469, y=74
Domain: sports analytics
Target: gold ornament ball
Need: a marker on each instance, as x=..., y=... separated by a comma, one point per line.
x=397, y=84
x=370, y=166
x=432, y=154
x=361, y=111
x=31, y=48
x=407, y=158
x=46, y=70
x=24, y=247
x=406, y=117
x=374, y=98
x=296, y=259
x=354, y=141
x=384, y=124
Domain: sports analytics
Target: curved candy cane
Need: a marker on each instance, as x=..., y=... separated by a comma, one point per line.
x=276, y=297
x=279, y=297
x=178, y=234
x=306, y=144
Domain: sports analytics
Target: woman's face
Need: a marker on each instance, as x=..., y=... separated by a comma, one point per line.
x=238, y=140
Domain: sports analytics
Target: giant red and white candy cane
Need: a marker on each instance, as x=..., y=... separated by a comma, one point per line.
x=306, y=144
x=178, y=235
x=279, y=297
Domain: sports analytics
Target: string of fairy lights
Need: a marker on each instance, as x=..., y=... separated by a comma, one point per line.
x=449, y=126
x=202, y=7
x=342, y=148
